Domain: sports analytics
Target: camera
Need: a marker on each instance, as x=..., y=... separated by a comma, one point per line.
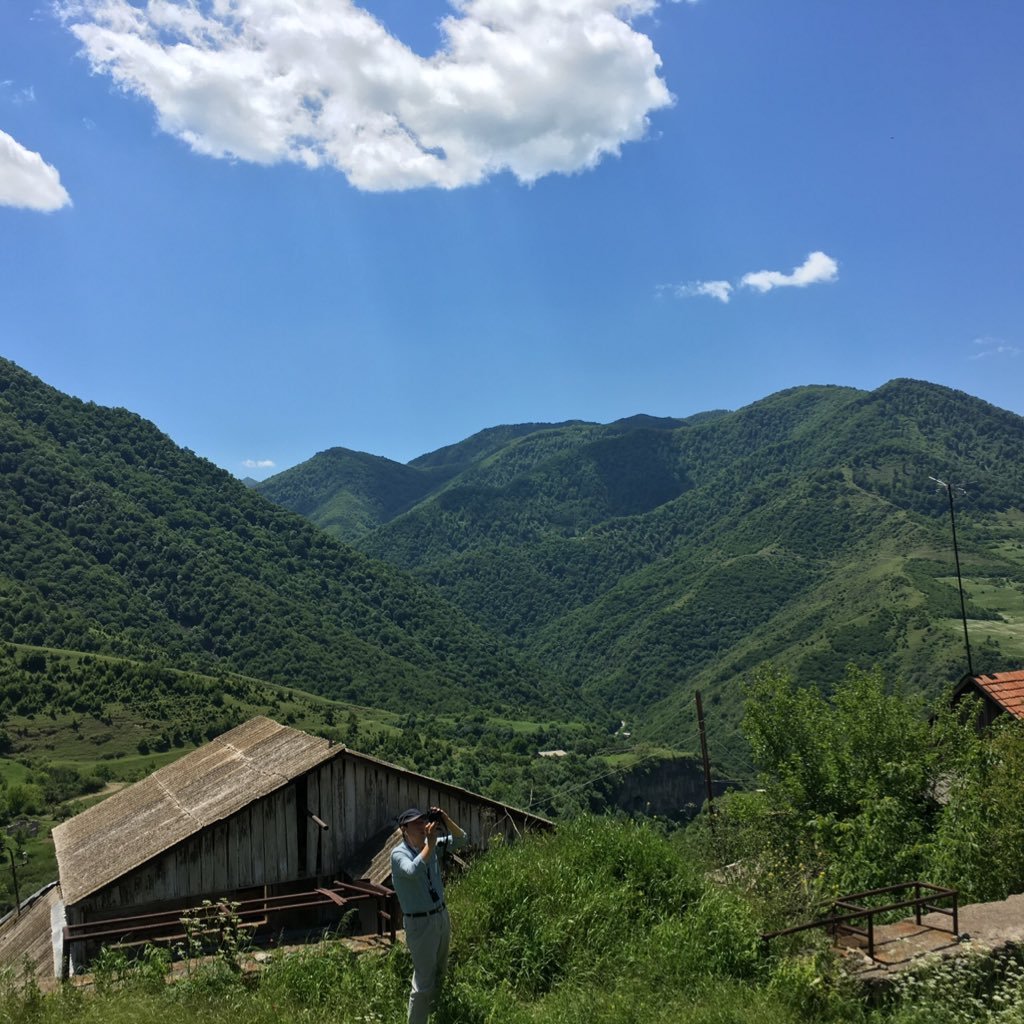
x=434, y=818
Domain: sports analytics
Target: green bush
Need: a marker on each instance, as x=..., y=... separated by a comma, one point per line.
x=979, y=841
x=563, y=905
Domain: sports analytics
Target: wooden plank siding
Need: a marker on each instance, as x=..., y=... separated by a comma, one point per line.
x=350, y=828
x=270, y=810
x=313, y=845
x=340, y=840
x=288, y=851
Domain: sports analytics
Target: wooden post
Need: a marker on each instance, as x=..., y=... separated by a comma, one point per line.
x=704, y=755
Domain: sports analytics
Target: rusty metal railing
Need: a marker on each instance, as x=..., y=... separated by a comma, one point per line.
x=167, y=925
x=845, y=910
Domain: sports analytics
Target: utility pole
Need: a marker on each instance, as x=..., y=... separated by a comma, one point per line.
x=959, y=580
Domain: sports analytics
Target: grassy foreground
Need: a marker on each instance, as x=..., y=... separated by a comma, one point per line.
x=604, y=923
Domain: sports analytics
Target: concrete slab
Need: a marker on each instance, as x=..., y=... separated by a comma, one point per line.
x=983, y=927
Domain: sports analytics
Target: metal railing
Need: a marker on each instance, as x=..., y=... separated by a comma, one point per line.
x=168, y=926
x=845, y=910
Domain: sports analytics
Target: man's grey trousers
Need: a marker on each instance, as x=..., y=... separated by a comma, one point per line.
x=428, y=939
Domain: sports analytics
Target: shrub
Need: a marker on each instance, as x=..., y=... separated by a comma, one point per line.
x=980, y=836
x=564, y=905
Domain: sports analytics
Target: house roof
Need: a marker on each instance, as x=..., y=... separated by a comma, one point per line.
x=1005, y=688
x=205, y=786
x=201, y=788
x=26, y=935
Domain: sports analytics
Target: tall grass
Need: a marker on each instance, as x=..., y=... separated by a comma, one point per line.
x=601, y=923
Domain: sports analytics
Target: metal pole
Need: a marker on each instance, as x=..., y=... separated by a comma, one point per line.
x=959, y=579
x=704, y=754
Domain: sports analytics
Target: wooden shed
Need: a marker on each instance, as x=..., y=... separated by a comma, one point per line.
x=265, y=816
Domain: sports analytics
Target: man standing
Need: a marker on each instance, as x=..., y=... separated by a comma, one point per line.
x=416, y=875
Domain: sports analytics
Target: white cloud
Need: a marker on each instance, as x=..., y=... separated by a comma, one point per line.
x=27, y=94
x=721, y=290
x=817, y=268
x=529, y=86
x=994, y=347
x=27, y=180
x=259, y=463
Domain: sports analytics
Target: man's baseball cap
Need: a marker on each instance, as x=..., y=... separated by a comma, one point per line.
x=409, y=816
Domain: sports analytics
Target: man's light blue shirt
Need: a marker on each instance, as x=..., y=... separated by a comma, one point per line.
x=413, y=877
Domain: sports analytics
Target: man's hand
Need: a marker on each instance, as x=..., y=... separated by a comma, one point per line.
x=429, y=831
x=449, y=824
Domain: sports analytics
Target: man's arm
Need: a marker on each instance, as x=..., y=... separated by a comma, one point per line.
x=452, y=827
x=404, y=861
x=457, y=833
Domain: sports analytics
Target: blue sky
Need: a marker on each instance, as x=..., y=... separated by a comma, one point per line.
x=375, y=229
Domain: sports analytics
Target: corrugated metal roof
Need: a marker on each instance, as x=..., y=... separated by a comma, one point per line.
x=205, y=786
x=1005, y=688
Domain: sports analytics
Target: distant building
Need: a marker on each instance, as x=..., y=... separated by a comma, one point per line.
x=24, y=826
x=1001, y=693
x=279, y=821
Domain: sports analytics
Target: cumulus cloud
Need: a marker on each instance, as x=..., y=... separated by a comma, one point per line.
x=528, y=86
x=27, y=180
x=994, y=347
x=259, y=463
x=817, y=268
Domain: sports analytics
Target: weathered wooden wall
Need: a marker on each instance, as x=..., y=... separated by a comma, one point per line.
x=358, y=798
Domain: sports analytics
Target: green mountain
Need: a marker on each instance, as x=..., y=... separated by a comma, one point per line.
x=113, y=540
x=643, y=559
x=348, y=493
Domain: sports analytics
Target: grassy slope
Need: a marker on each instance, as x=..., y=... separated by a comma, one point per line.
x=603, y=923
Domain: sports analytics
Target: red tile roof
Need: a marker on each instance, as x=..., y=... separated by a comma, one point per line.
x=1005, y=688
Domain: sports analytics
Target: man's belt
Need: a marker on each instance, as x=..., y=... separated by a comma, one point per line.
x=427, y=913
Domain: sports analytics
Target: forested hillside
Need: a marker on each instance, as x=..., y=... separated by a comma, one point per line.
x=644, y=558
x=114, y=540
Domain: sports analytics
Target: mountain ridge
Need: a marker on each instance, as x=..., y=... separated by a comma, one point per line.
x=640, y=563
